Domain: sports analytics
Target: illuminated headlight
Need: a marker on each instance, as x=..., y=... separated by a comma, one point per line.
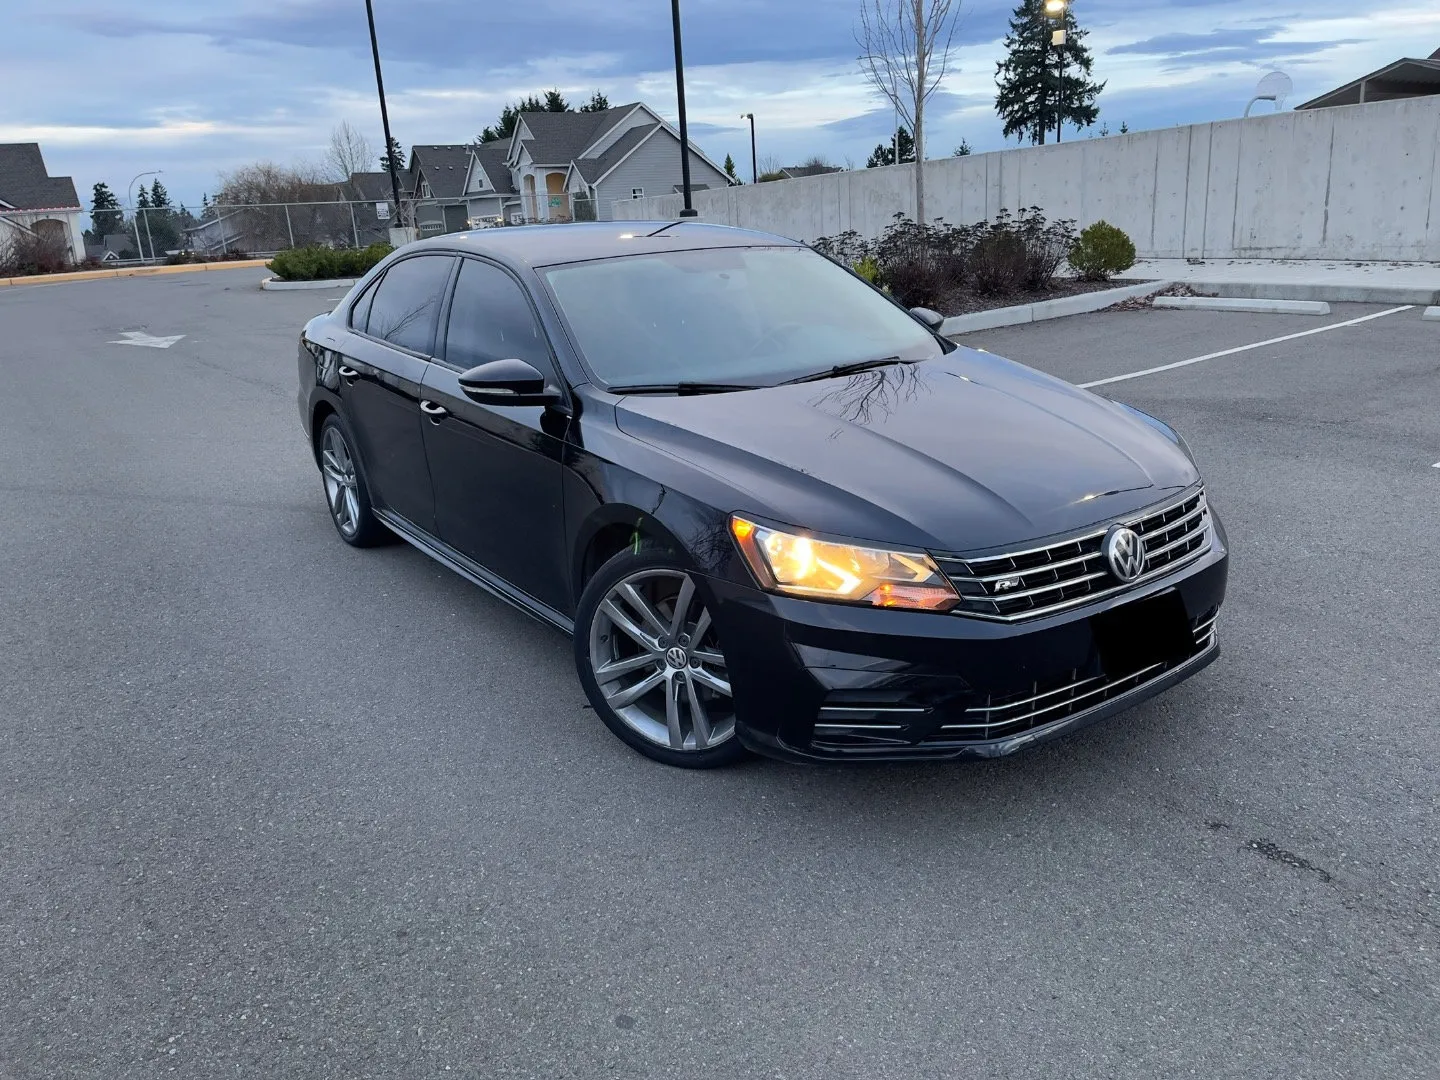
x=801, y=565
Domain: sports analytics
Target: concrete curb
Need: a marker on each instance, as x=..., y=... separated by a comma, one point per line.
x=1316, y=291
x=1264, y=307
x=271, y=284
x=130, y=271
x=1047, y=309
x=1432, y=314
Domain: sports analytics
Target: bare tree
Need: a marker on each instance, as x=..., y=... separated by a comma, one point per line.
x=905, y=53
x=349, y=152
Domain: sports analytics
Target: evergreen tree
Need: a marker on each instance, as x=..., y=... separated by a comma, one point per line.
x=142, y=200
x=555, y=103
x=505, y=126
x=730, y=169
x=161, y=230
x=598, y=103
x=964, y=149
x=159, y=197
x=395, y=152
x=1038, y=82
x=105, y=216
x=884, y=153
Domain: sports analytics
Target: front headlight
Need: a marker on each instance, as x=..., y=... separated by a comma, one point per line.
x=800, y=565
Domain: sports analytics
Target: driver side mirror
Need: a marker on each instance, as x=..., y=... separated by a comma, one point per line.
x=933, y=319
x=507, y=382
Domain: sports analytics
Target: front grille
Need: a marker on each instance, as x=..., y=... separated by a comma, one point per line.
x=1041, y=581
x=886, y=729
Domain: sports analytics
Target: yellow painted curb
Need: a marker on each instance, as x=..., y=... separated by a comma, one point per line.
x=130, y=271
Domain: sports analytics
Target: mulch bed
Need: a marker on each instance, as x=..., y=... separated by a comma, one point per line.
x=964, y=301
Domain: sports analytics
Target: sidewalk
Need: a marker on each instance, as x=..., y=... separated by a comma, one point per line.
x=1297, y=279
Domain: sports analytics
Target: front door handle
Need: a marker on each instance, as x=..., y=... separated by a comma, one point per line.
x=433, y=411
x=349, y=374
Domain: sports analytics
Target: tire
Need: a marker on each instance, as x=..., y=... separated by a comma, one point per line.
x=659, y=682
x=347, y=496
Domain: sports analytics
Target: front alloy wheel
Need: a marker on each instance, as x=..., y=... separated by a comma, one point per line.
x=652, y=665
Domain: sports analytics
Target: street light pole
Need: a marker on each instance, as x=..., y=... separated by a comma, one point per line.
x=384, y=114
x=754, y=170
x=130, y=198
x=1055, y=10
x=689, y=210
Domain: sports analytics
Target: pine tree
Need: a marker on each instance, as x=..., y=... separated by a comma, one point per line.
x=598, y=103
x=730, y=169
x=159, y=197
x=884, y=153
x=397, y=153
x=142, y=201
x=105, y=216
x=1038, y=81
x=505, y=126
x=161, y=231
x=964, y=149
x=555, y=103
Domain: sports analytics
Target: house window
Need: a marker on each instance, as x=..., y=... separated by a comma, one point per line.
x=637, y=192
x=425, y=190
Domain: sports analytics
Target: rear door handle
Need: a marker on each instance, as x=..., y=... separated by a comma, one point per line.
x=349, y=374
x=435, y=412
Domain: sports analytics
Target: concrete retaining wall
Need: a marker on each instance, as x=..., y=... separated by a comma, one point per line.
x=1357, y=182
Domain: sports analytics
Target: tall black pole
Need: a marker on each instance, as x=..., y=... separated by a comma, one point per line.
x=384, y=115
x=754, y=170
x=689, y=210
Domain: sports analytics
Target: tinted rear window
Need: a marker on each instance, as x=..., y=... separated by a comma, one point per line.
x=407, y=302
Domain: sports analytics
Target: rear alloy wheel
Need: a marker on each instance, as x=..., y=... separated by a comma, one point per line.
x=652, y=665
x=345, y=491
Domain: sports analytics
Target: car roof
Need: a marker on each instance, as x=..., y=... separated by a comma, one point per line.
x=547, y=245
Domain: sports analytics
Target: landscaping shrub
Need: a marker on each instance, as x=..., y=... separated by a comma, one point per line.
x=922, y=264
x=1102, y=251
x=24, y=253
x=318, y=263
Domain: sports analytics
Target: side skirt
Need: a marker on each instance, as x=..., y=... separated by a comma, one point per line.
x=473, y=572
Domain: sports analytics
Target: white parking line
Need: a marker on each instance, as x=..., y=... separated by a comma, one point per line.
x=1243, y=348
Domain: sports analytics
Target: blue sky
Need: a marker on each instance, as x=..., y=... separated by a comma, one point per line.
x=198, y=88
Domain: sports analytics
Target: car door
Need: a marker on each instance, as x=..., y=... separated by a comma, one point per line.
x=496, y=469
x=393, y=328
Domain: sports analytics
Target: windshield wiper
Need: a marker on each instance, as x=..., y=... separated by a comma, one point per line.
x=684, y=389
x=847, y=369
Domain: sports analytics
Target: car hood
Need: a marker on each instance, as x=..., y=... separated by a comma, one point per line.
x=962, y=453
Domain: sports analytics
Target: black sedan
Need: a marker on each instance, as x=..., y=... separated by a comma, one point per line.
x=773, y=509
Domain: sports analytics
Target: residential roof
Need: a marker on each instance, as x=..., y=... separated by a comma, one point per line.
x=560, y=137
x=492, y=156
x=445, y=166
x=1403, y=79
x=796, y=171
x=371, y=186
x=26, y=185
x=592, y=169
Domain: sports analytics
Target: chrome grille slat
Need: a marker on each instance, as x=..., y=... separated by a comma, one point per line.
x=1111, y=686
x=1067, y=577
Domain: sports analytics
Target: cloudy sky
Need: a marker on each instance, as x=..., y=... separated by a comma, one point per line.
x=195, y=87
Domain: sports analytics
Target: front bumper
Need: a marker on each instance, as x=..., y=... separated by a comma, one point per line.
x=830, y=682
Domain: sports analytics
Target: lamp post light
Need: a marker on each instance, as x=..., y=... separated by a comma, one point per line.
x=384, y=116
x=754, y=170
x=130, y=198
x=689, y=210
x=1055, y=10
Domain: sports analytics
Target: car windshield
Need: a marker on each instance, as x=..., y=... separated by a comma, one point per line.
x=728, y=317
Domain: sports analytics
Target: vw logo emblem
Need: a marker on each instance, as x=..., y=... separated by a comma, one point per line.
x=1125, y=552
x=675, y=657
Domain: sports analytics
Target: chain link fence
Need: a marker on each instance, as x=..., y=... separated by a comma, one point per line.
x=220, y=230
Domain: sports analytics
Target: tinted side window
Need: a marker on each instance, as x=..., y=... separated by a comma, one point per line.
x=491, y=319
x=407, y=302
x=360, y=313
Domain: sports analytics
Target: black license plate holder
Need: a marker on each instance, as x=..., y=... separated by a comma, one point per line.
x=1143, y=633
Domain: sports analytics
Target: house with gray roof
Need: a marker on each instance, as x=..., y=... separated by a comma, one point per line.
x=34, y=203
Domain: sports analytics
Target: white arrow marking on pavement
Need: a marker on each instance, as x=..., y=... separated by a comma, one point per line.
x=139, y=337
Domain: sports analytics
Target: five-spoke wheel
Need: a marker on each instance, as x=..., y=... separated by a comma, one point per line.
x=345, y=492
x=651, y=662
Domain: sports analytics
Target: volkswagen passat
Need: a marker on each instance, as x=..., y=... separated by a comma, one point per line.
x=773, y=509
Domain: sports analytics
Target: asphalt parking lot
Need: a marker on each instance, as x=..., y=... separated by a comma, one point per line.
x=270, y=806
